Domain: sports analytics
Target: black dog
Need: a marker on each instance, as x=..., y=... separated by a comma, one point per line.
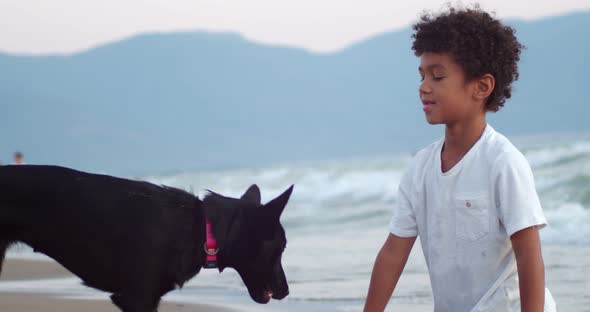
x=138, y=240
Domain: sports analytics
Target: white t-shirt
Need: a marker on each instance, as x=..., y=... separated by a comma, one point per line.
x=465, y=217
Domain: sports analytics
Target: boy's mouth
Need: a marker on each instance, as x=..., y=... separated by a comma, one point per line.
x=427, y=105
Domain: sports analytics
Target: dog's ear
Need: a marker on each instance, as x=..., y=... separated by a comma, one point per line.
x=278, y=204
x=252, y=194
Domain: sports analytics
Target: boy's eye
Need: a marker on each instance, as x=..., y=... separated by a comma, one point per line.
x=435, y=78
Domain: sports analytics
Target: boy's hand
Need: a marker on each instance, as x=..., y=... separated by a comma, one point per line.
x=388, y=267
x=531, y=271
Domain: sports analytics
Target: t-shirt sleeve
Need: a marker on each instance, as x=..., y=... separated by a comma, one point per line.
x=515, y=194
x=403, y=220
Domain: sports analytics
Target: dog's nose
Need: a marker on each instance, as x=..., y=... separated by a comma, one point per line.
x=280, y=295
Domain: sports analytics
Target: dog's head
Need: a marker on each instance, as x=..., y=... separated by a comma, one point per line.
x=251, y=240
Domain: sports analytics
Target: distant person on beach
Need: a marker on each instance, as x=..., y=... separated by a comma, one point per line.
x=19, y=158
x=471, y=195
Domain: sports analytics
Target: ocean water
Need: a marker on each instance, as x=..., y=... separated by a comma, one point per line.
x=337, y=220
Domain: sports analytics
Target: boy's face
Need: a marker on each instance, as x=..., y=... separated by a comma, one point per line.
x=447, y=98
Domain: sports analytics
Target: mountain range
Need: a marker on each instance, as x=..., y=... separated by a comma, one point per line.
x=178, y=101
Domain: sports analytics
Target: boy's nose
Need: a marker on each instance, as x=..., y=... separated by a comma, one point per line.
x=424, y=88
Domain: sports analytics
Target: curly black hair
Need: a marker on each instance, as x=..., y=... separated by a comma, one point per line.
x=478, y=42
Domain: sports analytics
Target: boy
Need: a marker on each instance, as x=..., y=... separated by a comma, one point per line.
x=470, y=196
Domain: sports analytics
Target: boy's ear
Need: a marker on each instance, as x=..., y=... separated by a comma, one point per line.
x=484, y=86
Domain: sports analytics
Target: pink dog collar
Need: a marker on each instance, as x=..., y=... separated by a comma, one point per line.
x=210, y=246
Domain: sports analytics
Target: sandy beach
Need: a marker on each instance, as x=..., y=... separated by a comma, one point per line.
x=14, y=270
x=567, y=271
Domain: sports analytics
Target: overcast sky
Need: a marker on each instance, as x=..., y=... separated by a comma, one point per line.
x=66, y=26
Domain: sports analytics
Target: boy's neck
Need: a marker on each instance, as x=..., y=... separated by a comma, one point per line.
x=459, y=139
x=462, y=135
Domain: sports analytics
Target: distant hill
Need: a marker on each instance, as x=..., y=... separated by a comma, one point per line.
x=191, y=100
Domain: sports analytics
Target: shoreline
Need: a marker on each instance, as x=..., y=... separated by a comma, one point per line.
x=16, y=270
x=26, y=285
x=19, y=302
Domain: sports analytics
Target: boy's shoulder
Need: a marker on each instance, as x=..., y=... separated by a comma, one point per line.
x=497, y=142
x=500, y=152
x=423, y=156
x=421, y=162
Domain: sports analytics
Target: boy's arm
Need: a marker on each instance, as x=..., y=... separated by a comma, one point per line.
x=531, y=271
x=388, y=267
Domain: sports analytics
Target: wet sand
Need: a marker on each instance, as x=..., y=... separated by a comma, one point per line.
x=567, y=272
x=20, y=270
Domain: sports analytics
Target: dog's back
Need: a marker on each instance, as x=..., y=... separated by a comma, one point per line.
x=126, y=230
x=138, y=240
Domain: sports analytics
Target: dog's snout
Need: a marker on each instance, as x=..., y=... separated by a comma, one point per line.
x=280, y=295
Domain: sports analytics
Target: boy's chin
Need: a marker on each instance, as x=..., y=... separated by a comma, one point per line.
x=434, y=121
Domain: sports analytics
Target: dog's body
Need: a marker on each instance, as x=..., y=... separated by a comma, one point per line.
x=138, y=240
